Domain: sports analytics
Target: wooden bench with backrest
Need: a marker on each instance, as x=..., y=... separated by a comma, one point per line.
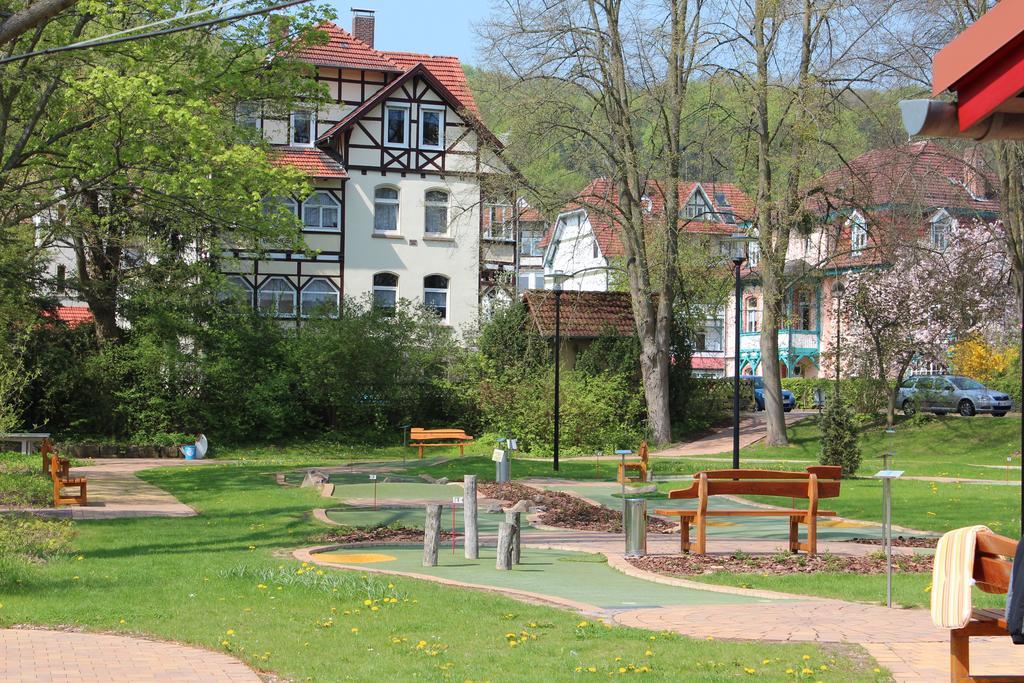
x=641, y=466
x=817, y=482
x=993, y=563
x=60, y=473
x=46, y=449
x=424, y=438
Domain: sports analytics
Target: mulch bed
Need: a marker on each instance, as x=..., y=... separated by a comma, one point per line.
x=779, y=565
x=382, y=534
x=901, y=541
x=566, y=511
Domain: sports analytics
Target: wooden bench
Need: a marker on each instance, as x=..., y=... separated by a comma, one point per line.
x=424, y=438
x=60, y=473
x=816, y=483
x=993, y=562
x=640, y=466
x=46, y=449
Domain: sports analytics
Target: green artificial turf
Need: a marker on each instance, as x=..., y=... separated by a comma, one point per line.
x=224, y=580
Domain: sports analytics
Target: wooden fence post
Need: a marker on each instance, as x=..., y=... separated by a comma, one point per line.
x=513, y=519
x=431, y=535
x=504, y=556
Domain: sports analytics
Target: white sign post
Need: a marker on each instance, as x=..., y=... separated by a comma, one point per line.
x=887, y=475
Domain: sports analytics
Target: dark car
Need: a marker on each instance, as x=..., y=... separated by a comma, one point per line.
x=788, y=400
x=948, y=393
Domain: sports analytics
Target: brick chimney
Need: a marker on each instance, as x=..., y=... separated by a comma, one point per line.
x=974, y=172
x=362, y=25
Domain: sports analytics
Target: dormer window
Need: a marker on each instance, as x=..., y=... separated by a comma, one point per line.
x=698, y=208
x=247, y=115
x=396, y=125
x=302, y=128
x=431, y=127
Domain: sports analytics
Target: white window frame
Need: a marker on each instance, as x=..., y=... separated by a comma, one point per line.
x=249, y=115
x=427, y=205
x=858, y=234
x=292, y=128
x=374, y=288
x=242, y=283
x=397, y=201
x=942, y=218
x=406, y=109
x=440, y=110
x=334, y=290
x=753, y=254
x=276, y=313
x=751, y=314
x=319, y=209
x=705, y=212
x=436, y=290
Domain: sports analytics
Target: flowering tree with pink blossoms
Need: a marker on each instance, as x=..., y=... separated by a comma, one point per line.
x=921, y=300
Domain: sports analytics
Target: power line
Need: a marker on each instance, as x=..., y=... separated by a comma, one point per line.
x=151, y=34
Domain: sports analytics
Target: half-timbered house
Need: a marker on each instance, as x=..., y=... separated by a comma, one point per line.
x=396, y=158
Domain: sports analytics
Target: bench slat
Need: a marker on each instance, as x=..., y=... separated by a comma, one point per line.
x=824, y=472
x=743, y=513
x=770, y=487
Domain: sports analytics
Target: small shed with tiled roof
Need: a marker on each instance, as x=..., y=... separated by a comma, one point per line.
x=585, y=316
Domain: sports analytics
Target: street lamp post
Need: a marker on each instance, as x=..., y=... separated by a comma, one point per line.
x=738, y=264
x=839, y=289
x=558, y=345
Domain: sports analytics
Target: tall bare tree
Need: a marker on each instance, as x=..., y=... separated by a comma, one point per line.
x=795, y=64
x=608, y=80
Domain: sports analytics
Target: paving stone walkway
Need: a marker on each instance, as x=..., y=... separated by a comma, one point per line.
x=115, y=491
x=40, y=656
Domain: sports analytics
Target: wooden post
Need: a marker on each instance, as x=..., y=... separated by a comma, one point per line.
x=513, y=519
x=469, y=516
x=504, y=556
x=431, y=535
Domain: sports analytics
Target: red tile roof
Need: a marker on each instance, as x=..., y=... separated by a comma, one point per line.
x=707, y=362
x=584, y=315
x=314, y=162
x=72, y=316
x=448, y=70
x=600, y=199
x=345, y=50
x=920, y=174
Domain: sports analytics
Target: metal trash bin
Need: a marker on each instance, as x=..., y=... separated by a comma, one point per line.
x=502, y=468
x=634, y=522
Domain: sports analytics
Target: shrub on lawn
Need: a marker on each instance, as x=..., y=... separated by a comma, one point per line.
x=839, y=438
x=33, y=537
x=22, y=483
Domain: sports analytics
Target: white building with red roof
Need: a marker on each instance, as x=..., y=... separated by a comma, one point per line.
x=396, y=158
x=585, y=237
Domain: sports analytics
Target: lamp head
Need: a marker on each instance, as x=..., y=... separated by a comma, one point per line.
x=557, y=279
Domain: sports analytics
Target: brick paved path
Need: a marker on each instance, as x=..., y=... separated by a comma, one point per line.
x=115, y=491
x=30, y=656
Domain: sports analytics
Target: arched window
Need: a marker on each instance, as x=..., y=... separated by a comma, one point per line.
x=436, y=212
x=435, y=295
x=803, y=309
x=753, y=316
x=237, y=289
x=321, y=212
x=385, y=290
x=319, y=297
x=277, y=298
x=385, y=210
x=280, y=204
x=858, y=234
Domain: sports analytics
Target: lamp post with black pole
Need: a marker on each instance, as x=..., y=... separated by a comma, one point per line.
x=558, y=278
x=737, y=261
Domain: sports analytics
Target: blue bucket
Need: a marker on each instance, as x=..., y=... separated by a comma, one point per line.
x=189, y=451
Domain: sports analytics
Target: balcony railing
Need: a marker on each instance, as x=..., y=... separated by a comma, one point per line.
x=796, y=339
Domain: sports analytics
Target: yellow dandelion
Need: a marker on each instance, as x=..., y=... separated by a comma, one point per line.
x=622, y=669
x=367, y=602
x=648, y=653
x=749, y=670
x=583, y=624
x=122, y=622
x=355, y=630
x=806, y=657
x=231, y=631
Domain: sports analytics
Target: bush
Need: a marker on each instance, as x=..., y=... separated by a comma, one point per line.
x=22, y=483
x=839, y=437
x=864, y=395
x=601, y=412
x=34, y=538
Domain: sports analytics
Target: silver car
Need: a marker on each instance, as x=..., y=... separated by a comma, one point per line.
x=948, y=393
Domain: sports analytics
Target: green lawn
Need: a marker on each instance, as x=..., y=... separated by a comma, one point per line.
x=948, y=446
x=224, y=580
x=908, y=590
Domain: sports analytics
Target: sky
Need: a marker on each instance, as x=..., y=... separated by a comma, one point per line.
x=440, y=27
